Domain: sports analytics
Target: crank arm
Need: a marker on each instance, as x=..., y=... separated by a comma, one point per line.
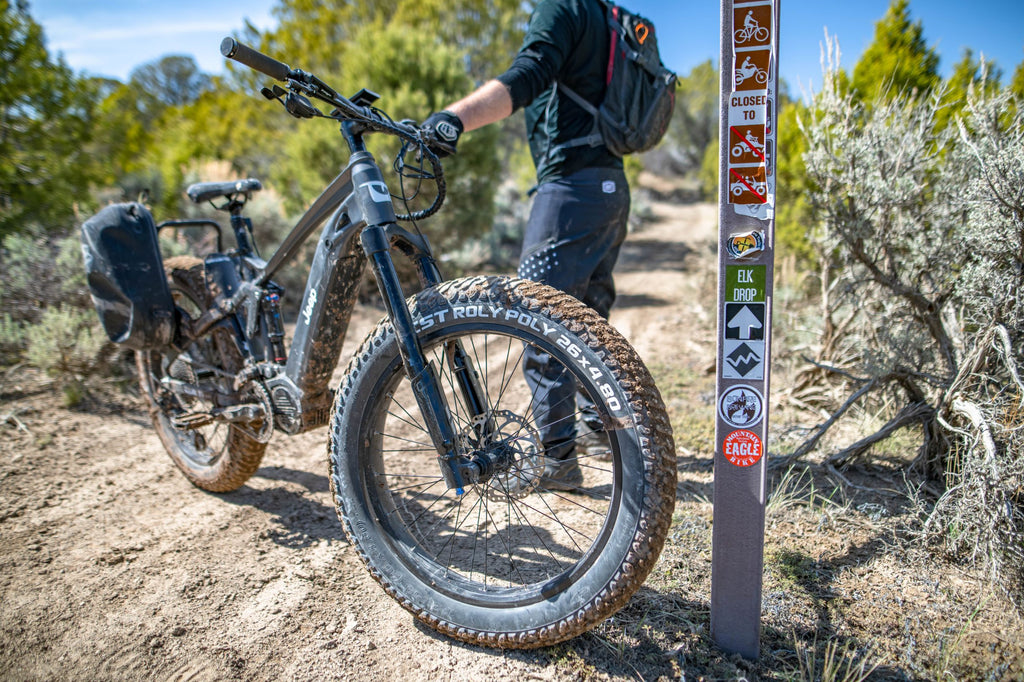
x=236, y=414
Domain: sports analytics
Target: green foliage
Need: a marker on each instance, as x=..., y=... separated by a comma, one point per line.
x=169, y=117
x=66, y=343
x=486, y=32
x=12, y=340
x=793, y=221
x=708, y=174
x=1016, y=86
x=170, y=81
x=414, y=75
x=967, y=73
x=40, y=271
x=695, y=118
x=898, y=60
x=45, y=116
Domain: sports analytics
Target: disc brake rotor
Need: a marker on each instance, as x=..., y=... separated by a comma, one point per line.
x=513, y=432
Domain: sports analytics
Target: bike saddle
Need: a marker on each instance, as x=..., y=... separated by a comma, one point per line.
x=206, y=191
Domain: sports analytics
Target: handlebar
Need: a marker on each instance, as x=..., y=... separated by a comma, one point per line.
x=345, y=109
x=231, y=48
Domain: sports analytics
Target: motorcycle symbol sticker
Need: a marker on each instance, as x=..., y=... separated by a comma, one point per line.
x=741, y=406
x=752, y=69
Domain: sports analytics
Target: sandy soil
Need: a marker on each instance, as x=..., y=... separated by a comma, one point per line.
x=112, y=566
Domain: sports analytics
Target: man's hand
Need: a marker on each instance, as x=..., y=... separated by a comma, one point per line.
x=441, y=132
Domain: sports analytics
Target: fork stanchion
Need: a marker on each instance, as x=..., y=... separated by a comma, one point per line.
x=746, y=209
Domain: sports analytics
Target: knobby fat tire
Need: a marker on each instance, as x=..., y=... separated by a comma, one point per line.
x=242, y=454
x=444, y=597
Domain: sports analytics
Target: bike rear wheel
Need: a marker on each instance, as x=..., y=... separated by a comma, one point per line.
x=507, y=563
x=215, y=456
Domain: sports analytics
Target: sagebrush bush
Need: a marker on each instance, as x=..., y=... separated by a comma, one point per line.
x=66, y=342
x=48, y=319
x=922, y=227
x=40, y=271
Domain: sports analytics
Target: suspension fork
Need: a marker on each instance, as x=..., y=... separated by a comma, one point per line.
x=462, y=368
x=425, y=382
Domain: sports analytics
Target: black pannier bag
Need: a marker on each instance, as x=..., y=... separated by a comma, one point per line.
x=126, y=277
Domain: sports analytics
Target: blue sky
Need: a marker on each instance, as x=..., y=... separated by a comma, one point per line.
x=113, y=36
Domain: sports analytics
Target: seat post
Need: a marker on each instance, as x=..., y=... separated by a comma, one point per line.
x=242, y=227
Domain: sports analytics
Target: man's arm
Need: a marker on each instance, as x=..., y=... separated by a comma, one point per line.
x=489, y=103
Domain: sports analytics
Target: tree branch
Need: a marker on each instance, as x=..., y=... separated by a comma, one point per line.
x=915, y=412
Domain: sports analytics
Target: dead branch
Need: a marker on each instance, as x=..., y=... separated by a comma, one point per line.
x=1007, y=352
x=914, y=412
x=973, y=413
x=12, y=418
x=811, y=442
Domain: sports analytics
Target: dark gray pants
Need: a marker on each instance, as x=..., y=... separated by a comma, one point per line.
x=576, y=229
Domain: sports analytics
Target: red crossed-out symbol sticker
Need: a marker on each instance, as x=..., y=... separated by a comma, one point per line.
x=745, y=181
x=755, y=149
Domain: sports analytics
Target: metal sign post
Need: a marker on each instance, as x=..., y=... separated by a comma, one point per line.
x=746, y=214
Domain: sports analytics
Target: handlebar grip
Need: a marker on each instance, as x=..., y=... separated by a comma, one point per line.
x=229, y=47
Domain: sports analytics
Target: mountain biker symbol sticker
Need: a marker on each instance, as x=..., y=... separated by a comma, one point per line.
x=752, y=27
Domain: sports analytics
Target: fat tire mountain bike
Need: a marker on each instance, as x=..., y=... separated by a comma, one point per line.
x=435, y=459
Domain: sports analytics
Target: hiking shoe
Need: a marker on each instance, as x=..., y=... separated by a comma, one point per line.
x=561, y=475
x=593, y=440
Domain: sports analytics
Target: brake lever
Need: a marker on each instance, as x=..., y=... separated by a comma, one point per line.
x=300, y=107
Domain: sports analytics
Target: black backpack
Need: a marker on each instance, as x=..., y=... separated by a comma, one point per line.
x=126, y=277
x=640, y=93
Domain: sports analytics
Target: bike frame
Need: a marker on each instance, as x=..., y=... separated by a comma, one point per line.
x=359, y=214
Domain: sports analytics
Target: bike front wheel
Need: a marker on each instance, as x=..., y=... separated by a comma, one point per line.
x=512, y=561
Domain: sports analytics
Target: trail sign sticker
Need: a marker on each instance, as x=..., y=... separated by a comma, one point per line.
x=745, y=245
x=745, y=283
x=741, y=406
x=752, y=27
x=752, y=70
x=746, y=144
x=744, y=321
x=743, y=360
x=743, y=448
x=748, y=185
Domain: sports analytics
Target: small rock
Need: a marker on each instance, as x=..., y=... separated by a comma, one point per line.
x=178, y=631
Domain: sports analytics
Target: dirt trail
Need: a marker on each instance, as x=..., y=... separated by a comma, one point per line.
x=112, y=566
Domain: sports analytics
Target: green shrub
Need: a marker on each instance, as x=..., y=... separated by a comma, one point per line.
x=66, y=343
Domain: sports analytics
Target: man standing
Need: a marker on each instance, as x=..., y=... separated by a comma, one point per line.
x=578, y=220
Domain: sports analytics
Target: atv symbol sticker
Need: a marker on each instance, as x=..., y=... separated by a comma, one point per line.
x=741, y=406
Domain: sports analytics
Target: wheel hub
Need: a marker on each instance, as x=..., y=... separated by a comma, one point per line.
x=506, y=456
